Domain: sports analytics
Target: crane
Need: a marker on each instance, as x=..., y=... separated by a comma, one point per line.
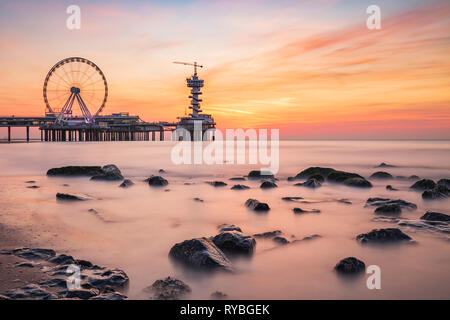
x=190, y=64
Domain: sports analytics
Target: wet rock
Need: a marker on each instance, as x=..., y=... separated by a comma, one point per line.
x=435, y=216
x=385, y=165
x=317, y=177
x=280, y=240
x=357, y=182
x=311, y=171
x=198, y=200
x=311, y=237
x=291, y=198
x=200, y=253
x=301, y=211
x=378, y=202
x=389, y=209
x=33, y=187
x=162, y=171
x=30, y=181
x=30, y=291
x=109, y=296
x=439, y=192
x=437, y=226
x=84, y=263
x=350, y=265
x=256, y=205
x=239, y=187
x=387, y=235
x=444, y=182
x=55, y=282
x=310, y=183
x=168, y=289
x=386, y=219
x=269, y=234
x=157, y=181
x=346, y=201
x=62, y=259
x=71, y=197
x=217, y=183
x=424, y=184
x=82, y=294
x=114, y=278
x=336, y=176
x=237, y=179
x=33, y=254
x=414, y=177
x=218, y=295
x=291, y=179
x=228, y=227
x=110, y=173
x=234, y=242
x=24, y=265
x=390, y=188
x=126, y=183
x=268, y=185
x=260, y=174
x=381, y=175
x=76, y=171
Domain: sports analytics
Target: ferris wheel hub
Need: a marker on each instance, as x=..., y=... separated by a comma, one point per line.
x=75, y=90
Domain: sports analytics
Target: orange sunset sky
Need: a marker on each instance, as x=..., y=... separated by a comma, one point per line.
x=310, y=68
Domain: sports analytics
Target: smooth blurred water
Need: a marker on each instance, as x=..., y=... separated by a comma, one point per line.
x=136, y=227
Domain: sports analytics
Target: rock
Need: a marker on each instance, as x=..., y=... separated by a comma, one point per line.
x=384, y=165
x=346, y=201
x=168, y=289
x=389, y=209
x=311, y=237
x=114, y=278
x=381, y=175
x=332, y=175
x=258, y=174
x=234, y=242
x=200, y=253
x=291, y=179
x=256, y=205
x=280, y=240
x=55, y=282
x=82, y=294
x=424, y=184
x=109, y=296
x=71, y=197
x=84, y=263
x=62, y=259
x=33, y=254
x=33, y=187
x=30, y=291
x=390, y=188
x=435, y=216
x=162, y=171
x=444, y=182
x=386, y=219
x=414, y=177
x=317, y=177
x=378, y=202
x=218, y=295
x=198, y=200
x=268, y=185
x=310, y=183
x=237, y=179
x=383, y=236
x=239, y=187
x=291, y=198
x=110, y=173
x=217, y=183
x=76, y=171
x=228, y=227
x=300, y=211
x=24, y=265
x=126, y=183
x=350, y=265
x=157, y=181
x=439, y=192
x=269, y=234
x=357, y=182
x=30, y=181
x=437, y=226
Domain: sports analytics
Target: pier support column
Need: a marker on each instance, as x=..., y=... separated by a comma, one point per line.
x=161, y=135
x=9, y=133
x=28, y=133
x=153, y=135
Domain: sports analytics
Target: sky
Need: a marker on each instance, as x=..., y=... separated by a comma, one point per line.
x=309, y=68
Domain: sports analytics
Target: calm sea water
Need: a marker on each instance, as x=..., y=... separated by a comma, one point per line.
x=136, y=227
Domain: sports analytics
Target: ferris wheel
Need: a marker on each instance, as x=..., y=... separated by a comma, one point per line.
x=75, y=82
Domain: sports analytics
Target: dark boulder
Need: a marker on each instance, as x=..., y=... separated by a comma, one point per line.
x=82, y=294
x=34, y=254
x=301, y=211
x=234, y=242
x=237, y=179
x=260, y=174
x=268, y=185
x=439, y=192
x=349, y=266
x=378, y=202
x=381, y=175
x=385, y=165
x=33, y=187
x=198, y=199
x=126, y=183
x=228, y=227
x=30, y=292
x=390, y=188
x=280, y=240
x=110, y=173
x=168, y=289
x=217, y=183
x=157, y=181
x=387, y=235
x=114, y=278
x=162, y=171
x=76, y=171
x=268, y=234
x=336, y=176
x=435, y=216
x=292, y=198
x=312, y=171
x=71, y=197
x=239, y=187
x=444, y=182
x=218, y=295
x=389, y=209
x=424, y=184
x=256, y=205
x=357, y=182
x=200, y=253
x=414, y=177
x=62, y=259
x=310, y=183
x=109, y=296
x=317, y=177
